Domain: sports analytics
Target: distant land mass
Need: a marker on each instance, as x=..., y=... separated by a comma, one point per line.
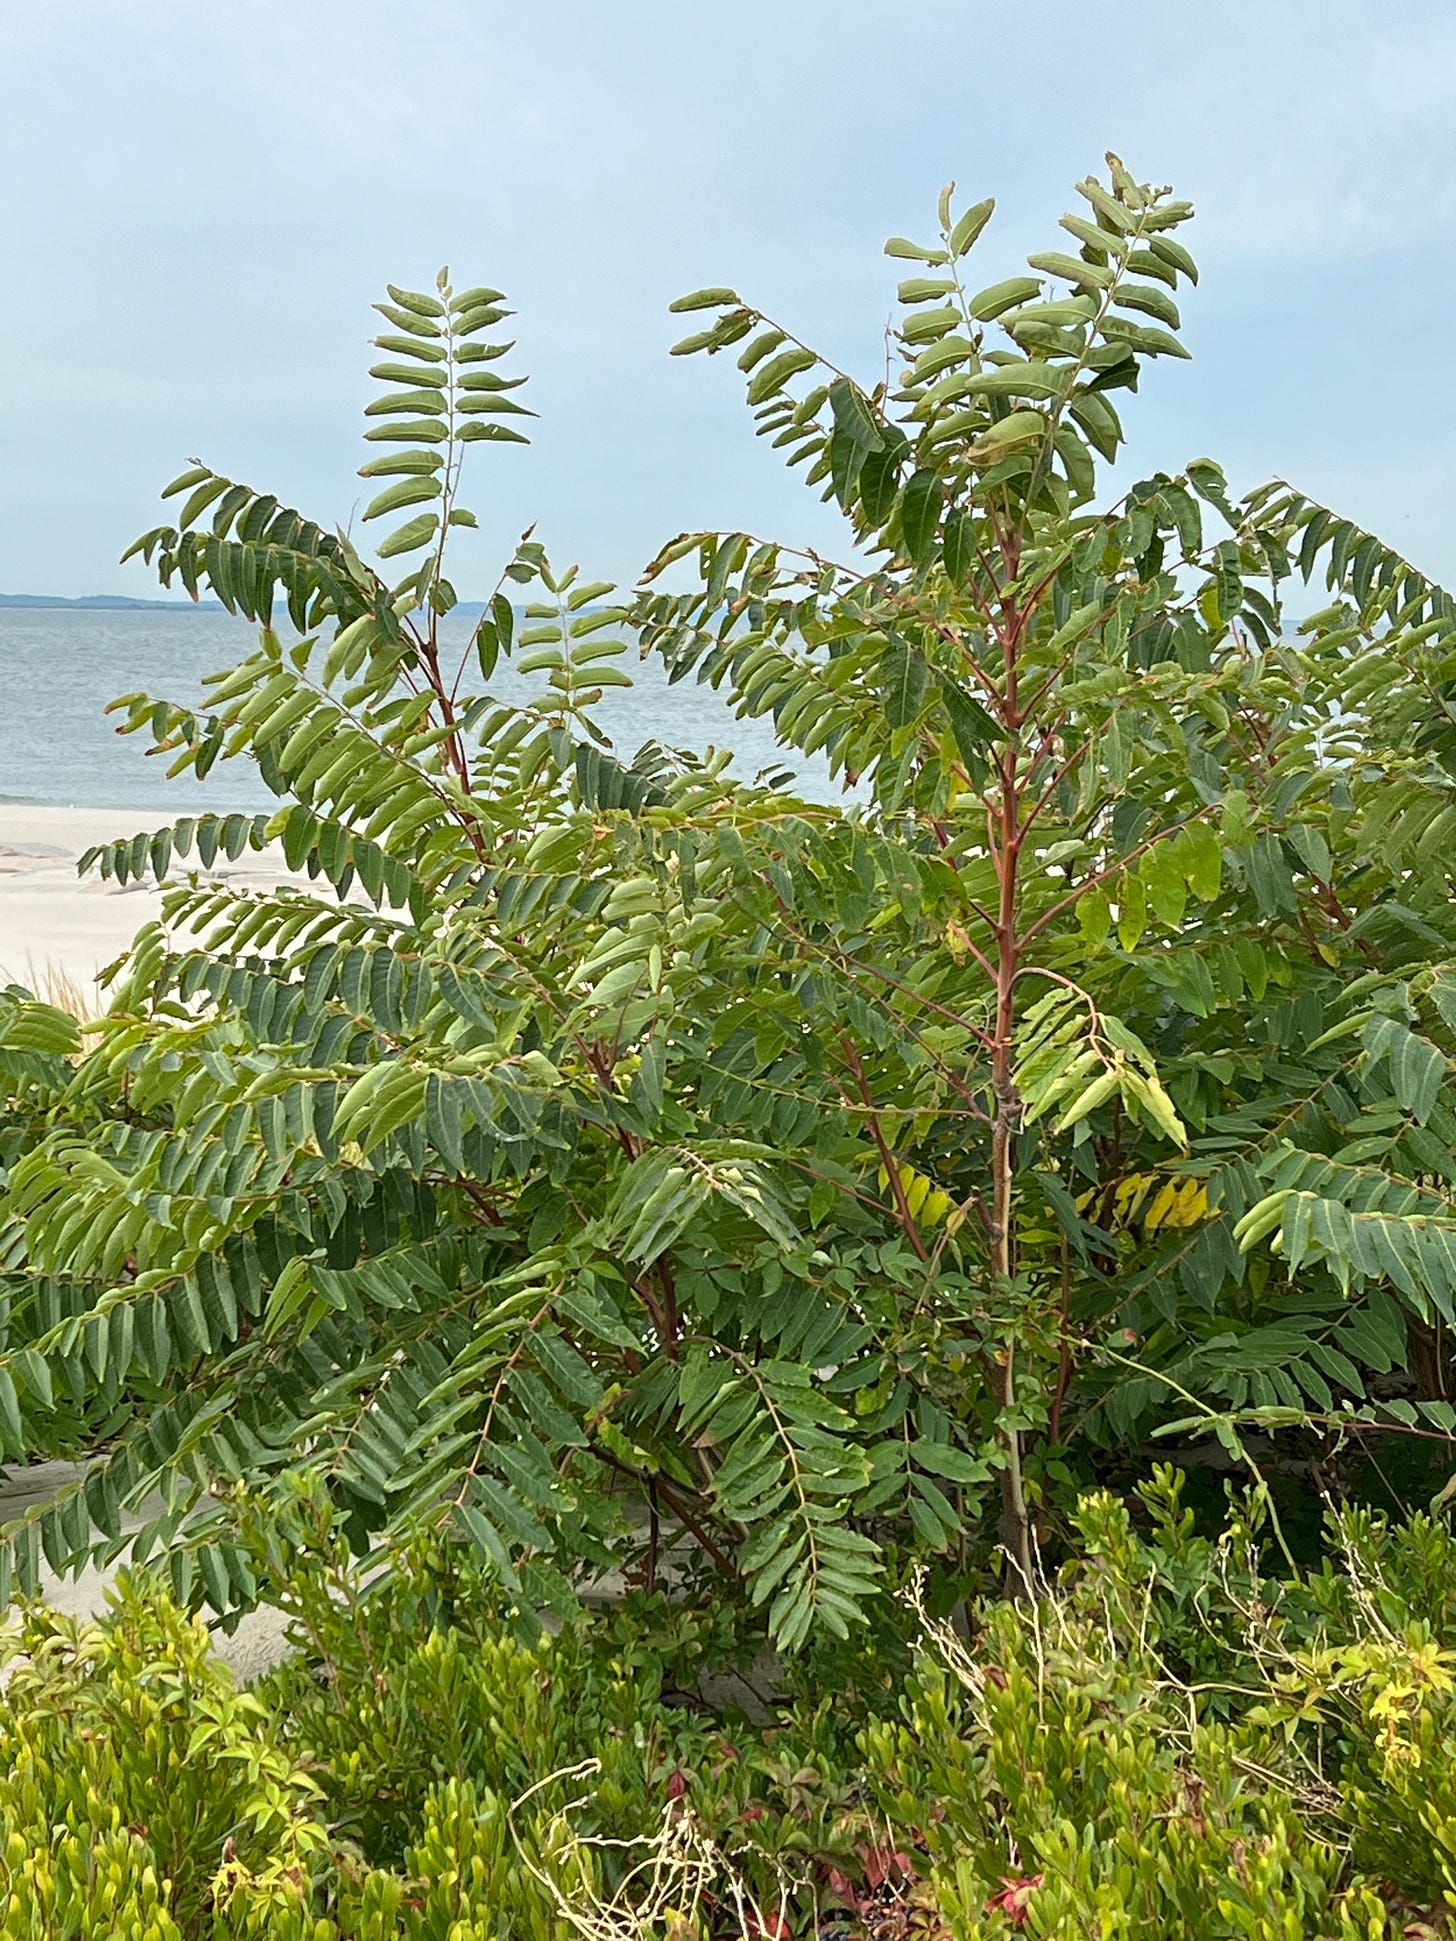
x=109, y=602
x=120, y=603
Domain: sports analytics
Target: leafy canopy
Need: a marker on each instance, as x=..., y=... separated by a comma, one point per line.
x=608, y=1165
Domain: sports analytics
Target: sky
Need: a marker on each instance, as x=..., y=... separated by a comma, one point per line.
x=204, y=200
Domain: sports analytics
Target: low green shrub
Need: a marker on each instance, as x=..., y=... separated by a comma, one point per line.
x=1168, y=1739
x=142, y=1796
x=1094, y=1788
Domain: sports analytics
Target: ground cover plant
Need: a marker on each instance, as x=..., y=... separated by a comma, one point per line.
x=608, y=1175
x=1173, y=1737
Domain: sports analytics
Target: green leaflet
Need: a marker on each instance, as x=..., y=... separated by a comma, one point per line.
x=920, y=508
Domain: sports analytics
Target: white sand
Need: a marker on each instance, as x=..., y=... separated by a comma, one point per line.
x=52, y=920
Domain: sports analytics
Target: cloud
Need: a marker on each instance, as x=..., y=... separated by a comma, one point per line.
x=218, y=193
x=1339, y=142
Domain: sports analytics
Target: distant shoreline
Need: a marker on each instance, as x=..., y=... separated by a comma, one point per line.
x=120, y=603
x=106, y=603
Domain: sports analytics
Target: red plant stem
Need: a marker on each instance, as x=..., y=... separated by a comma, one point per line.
x=679, y=1509
x=887, y=1158
x=669, y=1307
x=1008, y=835
x=1064, y=1348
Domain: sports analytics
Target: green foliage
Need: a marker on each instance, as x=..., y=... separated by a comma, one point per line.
x=1166, y=1735
x=141, y=1794
x=1179, y=878
x=605, y=1166
x=1170, y=1739
x=425, y=1187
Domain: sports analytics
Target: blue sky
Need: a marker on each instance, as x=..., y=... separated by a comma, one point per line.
x=204, y=200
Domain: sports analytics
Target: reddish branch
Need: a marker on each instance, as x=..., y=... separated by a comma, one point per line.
x=887, y=1158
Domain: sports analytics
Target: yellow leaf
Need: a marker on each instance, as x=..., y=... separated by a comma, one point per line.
x=1162, y=1204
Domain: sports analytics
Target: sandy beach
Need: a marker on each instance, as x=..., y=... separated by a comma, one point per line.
x=53, y=922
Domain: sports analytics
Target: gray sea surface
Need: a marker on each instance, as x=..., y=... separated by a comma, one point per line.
x=60, y=668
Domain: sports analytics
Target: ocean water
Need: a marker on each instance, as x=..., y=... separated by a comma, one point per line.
x=60, y=667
